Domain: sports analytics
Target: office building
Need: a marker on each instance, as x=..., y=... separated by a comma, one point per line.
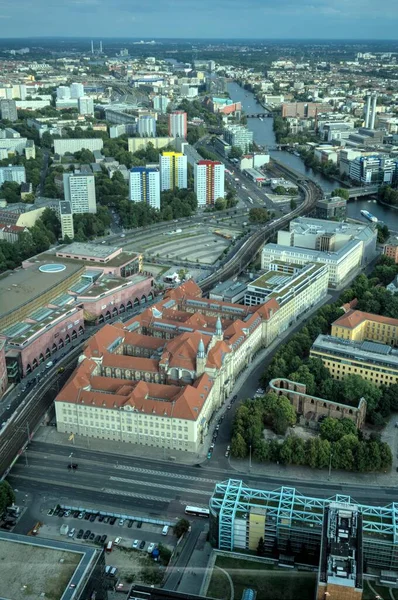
x=373, y=361
x=66, y=218
x=76, y=90
x=367, y=170
x=173, y=171
x=8, y=110
x=239, y=136
x=296, y=289
x=342, y=246
x=86, y=106
x=79, y=191
x=146, y=126
x=370, y=111
x=331, y=208
x=144, y=186
x=160, y=104
x=341, y=562
x=63, y=92
x=178, y=124
x=12, y=173
x=165, y=372
x=304, y=110
x=291, y=523
x=358, y=326
x=209, y=180
x=70, y=146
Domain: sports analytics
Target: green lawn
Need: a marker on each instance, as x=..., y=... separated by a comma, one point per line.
x=269, y=582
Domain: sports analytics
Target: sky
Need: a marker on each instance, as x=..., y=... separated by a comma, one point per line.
x=265, y=19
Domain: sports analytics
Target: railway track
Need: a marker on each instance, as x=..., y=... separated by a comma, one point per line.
x=241, y=259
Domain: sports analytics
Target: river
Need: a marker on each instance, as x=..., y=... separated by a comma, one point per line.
x=264, y=135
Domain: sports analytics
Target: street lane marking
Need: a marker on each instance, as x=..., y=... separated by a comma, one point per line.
x=165, y=474
x=134, y=495
x=162, y=486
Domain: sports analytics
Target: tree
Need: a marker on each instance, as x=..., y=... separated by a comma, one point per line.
x=304, y=375
x=355, y=388
x=51, y=222
x=261, y=547
x=284, y=415
x=220, y=204
x=235, y=152
x=293, y=204
x=238, y=446
x=342, y=193
x=7, y=496
x=383, y=233
x=11, y=192
x=181, y=527
x=258, y=215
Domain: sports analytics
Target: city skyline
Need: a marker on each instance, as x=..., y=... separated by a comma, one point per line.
x=257, y=20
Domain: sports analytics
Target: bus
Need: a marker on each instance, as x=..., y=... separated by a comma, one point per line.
x=197, y=511
x=250, y=200
x=109, y=546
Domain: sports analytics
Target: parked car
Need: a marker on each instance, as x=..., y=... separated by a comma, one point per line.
x=226, y=453
x=150, y=548
x=101, y=518
x=130, y=523
x=142, y=545
x=229, y=406
x=80, y=534
x=50, y=512
x=117, y=541
x=92, y=518
x=72, y=532
x=121, y=522
x=87, y=516
x=106, y=519
x=112, y=521
x=92, y=536
x=80, y=515
x=86, y=534
x=209, y=455
x=97, y=539
x=103, y=538
x=75, y=513
x=139, y=524
x=136, y=543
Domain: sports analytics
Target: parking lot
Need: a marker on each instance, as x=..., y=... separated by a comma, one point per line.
x=100, y=529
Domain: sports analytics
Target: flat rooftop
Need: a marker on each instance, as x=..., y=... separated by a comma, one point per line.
x=107, y=284
x=119, y=260
x=21, y=286
x=366, y=352
x=100, y=251
x=307, y=225
x=33, y=566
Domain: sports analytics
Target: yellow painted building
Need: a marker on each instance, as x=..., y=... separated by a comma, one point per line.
x=173, y=171
x=359, y=326
x=373, y=361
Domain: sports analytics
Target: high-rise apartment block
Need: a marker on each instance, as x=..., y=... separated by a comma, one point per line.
x=146, y=126
x=11, y=173
x=86, y=105
x=144, y=186
x=76, y=90
x=209, y=179
x=160, y=103
x=8, y=110
x=178, y=124
x=79, y=191
x=66, y=218
x=63, y=92
x=239, y=136
x=173, y=171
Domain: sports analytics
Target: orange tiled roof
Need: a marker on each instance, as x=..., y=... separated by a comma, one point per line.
x=354, y=317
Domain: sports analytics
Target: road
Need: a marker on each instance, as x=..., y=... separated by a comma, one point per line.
x=149, y=487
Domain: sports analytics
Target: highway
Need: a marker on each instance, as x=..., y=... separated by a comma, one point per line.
x=148, y=486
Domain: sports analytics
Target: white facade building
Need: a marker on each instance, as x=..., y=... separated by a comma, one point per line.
x=86, y=105
x=146, y=126
x=178, y=124
x=209, y=180
x=70, y=146
x=63, y=92
x=79, y=191
x=16, y=174
x=173, y=171
x=144, y=186
x=76, y=90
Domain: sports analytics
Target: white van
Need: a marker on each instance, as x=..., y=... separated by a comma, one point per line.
x=49, y=364
x=165, y=530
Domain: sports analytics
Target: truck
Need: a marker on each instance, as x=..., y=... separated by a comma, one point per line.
x=64, y=529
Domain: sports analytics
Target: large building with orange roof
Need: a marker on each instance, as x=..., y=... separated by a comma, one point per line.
x=158, y=378
x=359, y=326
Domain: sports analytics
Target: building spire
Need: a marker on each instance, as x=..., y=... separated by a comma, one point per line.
x=218, y=327
x=201, y=349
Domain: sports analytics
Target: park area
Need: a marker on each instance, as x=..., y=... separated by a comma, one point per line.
x=270, y=582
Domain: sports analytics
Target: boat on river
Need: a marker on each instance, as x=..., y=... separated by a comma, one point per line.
x=369, y=216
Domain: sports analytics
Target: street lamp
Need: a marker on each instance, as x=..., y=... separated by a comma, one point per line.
x=70, y=456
